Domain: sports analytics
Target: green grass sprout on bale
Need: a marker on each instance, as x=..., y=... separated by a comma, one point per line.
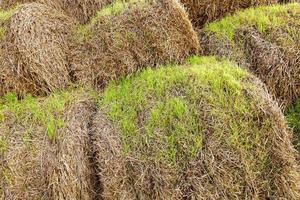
x=3, y=145
x=83, y=31
x=116, y=7
x=4, y=16
x=261, y=17
x=32, y=110
x=293, y=117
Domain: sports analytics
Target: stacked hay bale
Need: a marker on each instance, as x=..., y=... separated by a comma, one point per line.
x=208, y=130
x=126, y=37
x=44, y=151
x=204, y=11
x=35, y=49
x=267, y=41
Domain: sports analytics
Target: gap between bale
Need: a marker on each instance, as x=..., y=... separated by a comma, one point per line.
x=208, y=130
x=140, y=34
x=266, y=41
x=44, y=147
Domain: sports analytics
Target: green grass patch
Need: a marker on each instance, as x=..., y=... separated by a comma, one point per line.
x=261, y=17
x=3, y=145
x=32, y=112
x=293, y=118
x=160, y=116
x=116, y=7
x=4, y=16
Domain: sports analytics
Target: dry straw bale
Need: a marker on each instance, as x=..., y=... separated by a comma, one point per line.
x=202, y=11
x=35, y=49
x=267, y=41
x=44, y=147
x=82, y=10
x=124, y=38
x=208, y=130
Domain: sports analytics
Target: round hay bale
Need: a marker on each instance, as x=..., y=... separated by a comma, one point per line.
x=36, y=46
x=201, y=12
x=44, y=147
x=266, y=41
x=125, y=38
x=207, y=130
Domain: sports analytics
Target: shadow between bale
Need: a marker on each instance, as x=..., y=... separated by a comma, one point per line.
x=124, y=38
x=45, y=147
x=208, y=130
x=264, y=40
